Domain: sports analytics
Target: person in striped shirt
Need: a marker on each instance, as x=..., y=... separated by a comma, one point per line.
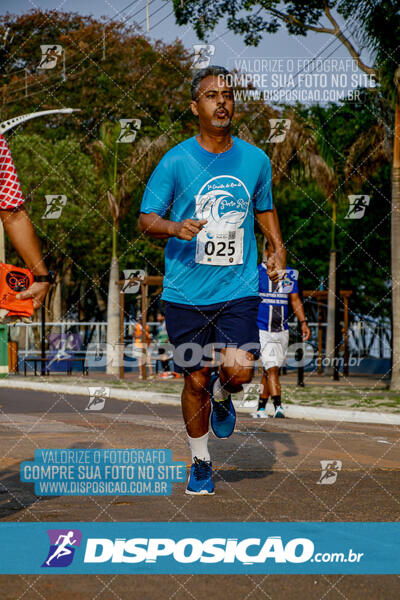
x=273, y=328
x=19, y=228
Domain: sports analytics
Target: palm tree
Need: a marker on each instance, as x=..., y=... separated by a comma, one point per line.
x=121, y=170
x=332, y=196
x=371, y=150
x=300, y=151
x=395, y=382
x=107, y=153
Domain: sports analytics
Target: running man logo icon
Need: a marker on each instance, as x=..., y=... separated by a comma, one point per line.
x=55, y=205
x=357, y=207
x=330, y=470
x=63, y=543
x=50, y=55
x=279, y=129
x=129, y=129
x=97, y=397
x=130, y=286
x=202, y=55
x=251, y=392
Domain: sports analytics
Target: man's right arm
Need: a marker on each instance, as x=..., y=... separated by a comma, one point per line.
x=153, y=225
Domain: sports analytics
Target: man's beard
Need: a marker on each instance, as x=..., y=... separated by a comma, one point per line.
x=221, y=124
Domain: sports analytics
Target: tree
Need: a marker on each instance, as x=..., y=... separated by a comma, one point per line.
x=395, y=383
x=106, y=150
x=124, y=82
x=120, y=79
x=375, y=25
x=363, y=163
x=121, y=168
x=303, y=197
x=53, y=168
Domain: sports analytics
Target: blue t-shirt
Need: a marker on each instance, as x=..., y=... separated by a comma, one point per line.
x=274, y=306
x=220, y=263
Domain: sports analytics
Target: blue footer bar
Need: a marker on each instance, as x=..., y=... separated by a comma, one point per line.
x=200, y=548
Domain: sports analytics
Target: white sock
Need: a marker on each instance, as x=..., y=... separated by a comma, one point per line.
x=199, y=447
x=219, y=392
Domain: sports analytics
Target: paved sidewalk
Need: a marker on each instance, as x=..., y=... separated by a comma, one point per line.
x=320, y=413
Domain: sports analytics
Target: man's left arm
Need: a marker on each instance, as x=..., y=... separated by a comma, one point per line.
x=268, y=222
x=298, y=310
x=21, y=233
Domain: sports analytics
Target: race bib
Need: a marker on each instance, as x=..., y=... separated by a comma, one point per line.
x=220, y=248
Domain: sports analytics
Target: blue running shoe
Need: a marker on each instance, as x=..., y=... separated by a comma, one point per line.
x=223, y=415
x=200, y=478
x=279, y=413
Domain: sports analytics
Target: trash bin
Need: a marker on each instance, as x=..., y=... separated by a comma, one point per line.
x=12, y=357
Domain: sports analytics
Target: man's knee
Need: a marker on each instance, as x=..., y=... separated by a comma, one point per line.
x=273, y=372
x=196, y=383
x=238, y=376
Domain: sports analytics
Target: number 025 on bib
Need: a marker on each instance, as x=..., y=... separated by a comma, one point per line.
x=220, y=248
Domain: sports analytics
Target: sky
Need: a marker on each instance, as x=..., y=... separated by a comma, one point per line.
x=336, y=73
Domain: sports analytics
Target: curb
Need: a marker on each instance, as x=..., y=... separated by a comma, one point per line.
x=294, y=411
x=82, y=390
x=318, y=413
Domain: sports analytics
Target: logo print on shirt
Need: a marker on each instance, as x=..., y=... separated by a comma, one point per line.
x=17, y=281
x=286, y=285
x=224, y=202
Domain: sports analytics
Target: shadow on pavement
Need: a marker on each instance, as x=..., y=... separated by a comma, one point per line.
x=250, y=454
x=16, y=495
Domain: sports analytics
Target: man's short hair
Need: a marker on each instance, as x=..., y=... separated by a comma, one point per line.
x=202, y=74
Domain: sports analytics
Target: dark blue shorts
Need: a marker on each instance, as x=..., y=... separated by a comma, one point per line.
x=195, y=330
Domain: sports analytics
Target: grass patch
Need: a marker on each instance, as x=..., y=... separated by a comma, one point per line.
x=361, y=398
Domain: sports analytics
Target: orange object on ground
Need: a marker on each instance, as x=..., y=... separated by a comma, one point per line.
x=14, y=280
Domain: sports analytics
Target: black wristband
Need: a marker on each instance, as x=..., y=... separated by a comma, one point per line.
x=301, y=322
x=49, y=278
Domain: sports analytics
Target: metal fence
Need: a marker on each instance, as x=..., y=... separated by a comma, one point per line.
x=368, y=339
x=72, y=336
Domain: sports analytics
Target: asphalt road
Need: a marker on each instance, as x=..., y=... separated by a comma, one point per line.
x=267, y=471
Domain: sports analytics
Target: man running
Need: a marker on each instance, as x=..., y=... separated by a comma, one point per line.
x=274, y=333
x=214, y=185
x=19, y=228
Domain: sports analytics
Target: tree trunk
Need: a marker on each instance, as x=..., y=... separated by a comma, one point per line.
x=56, y=309
x=99, y=299
x=82, y=301
x=330, y=329
x=113, y=309
x=57, y=306
x=395, y=225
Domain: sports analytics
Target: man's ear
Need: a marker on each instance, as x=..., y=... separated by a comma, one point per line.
x=193, y=106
